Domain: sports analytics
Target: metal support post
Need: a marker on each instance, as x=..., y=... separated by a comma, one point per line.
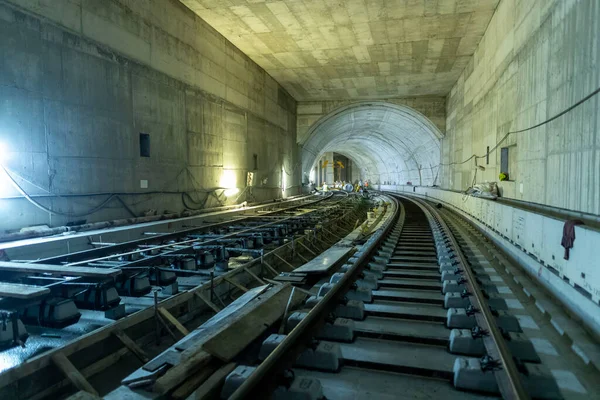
x=156, y=318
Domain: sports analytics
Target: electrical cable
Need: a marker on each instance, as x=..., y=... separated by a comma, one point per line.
x=187, y=195
x=560, y=114
x=474, y=156
x=48, y=210
x=103, y=204
x=111, y=196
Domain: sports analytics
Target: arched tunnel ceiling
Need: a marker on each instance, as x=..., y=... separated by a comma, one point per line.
x=388, y=142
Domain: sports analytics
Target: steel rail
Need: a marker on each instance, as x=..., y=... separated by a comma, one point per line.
x=188, y=244
x=264, y=378
x=274, y=252
x=509, y=382
x=108, y=252
x=132, y=321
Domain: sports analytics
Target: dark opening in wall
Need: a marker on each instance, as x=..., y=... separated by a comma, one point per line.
x=255, y=158
x=487, y=155
x=144, y=145
x=504, y=160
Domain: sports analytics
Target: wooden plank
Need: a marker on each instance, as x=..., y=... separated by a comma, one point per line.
x=187, y=388
x=241, y=330
x=179, y=373
x=82, y=395
x=88, y=371
x=212, y=386
x=291, y=279
x=324, y=262
x=254, y=310
x=237, y=285
x=254, y=276
x=35, y=364
x=307, y=292
x=131, y=345
x=63, y=363
x=182, y=329
x=205, y=299
x=20, y=291
x=14, y=267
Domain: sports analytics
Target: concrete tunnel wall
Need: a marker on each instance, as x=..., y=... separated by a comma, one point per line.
x=536, y=59
x=388, y=142
x=79, y=81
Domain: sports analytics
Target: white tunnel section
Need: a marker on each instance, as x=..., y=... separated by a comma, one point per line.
x=389, y=143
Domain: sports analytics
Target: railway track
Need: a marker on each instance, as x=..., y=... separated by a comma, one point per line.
x=435, y=320
x=411, y=303
x=183, y=275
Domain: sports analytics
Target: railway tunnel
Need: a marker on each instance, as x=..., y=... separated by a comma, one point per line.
x=210, y=199
x=389, y=143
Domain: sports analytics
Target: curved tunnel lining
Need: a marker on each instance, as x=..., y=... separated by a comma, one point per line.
x=390, y=143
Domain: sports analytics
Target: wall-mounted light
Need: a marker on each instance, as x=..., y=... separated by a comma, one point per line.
x=229, y=182
x=283, y=179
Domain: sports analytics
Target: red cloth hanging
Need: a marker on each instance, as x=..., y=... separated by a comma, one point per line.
x=568, y=237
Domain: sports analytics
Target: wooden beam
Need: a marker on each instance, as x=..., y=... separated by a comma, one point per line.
x=330, y=232
x=131, y=345
x=82, y=395
x=78, y=380
x=238, y=330
x=254, y=276
x=237, y=285
x=169, y=317
x=314, y=244
x=179, y=373
x=300, y=255
x=166, y=326
x=306, y=247
x=273, y=282
x=220, y=300
x=270, y=268
x=36, y=364
x=205, y=299
x=307, y=292
x=213, y=384
x=187, y=388
x=285, y=261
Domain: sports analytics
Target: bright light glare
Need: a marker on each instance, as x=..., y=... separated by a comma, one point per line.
x=5, y=182
x=3, y=152
x=283, y=179
x=5, y=185
x=228, y=179
x=229, y=182
x=311, y=176
x=231, y=192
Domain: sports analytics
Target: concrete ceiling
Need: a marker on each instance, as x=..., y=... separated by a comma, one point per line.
x=351, y=49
